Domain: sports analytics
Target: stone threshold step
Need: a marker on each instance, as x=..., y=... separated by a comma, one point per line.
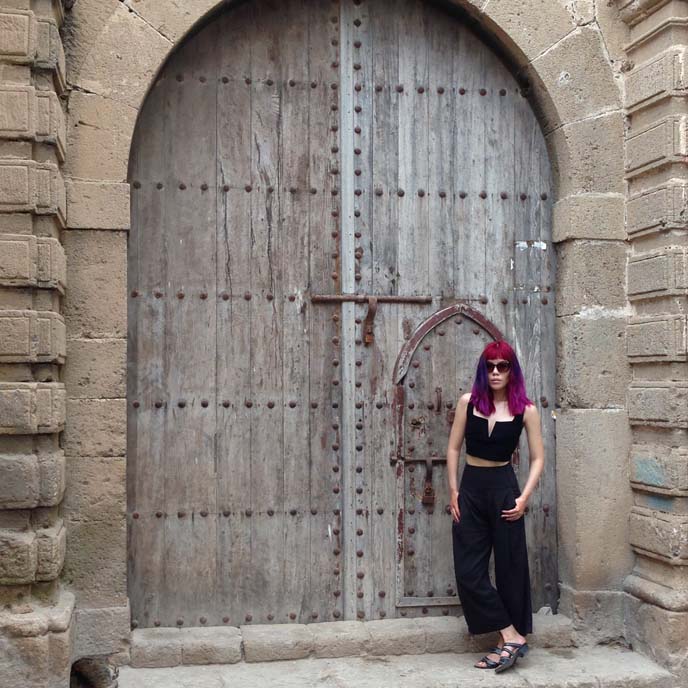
x=590, y=667
x=169, y=647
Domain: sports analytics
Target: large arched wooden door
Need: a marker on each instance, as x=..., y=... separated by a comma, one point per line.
x=311, y=180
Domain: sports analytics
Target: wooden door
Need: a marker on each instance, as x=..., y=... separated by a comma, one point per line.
x=290, y=155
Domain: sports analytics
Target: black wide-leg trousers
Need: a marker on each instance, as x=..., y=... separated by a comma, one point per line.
x=483, y=494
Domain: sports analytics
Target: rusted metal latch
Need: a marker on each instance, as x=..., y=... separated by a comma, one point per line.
x=428, y=490
x=372, y=301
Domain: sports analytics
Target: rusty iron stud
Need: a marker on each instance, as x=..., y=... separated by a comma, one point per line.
x=269, y=297
x=483, y=299
x=431, y=406
x=136, y=404
x=543, y=196
x=204, y=403
x=545, y=508
x=182, y=186
x=483, y=194
x=545, y=404
x=180, y=77
x=378, y=192
x=359, y=426
x=359, y=594
x=411, y=552
x=357, y=151
x=181, y=403
x=442, y=194
x=134, y=293
x=404, y=613
x=416, y=364
x=336, y=613
x=248, y=403
x=293, y=512
x=502, y=91
x=159, y=185
x=335, y=426
x=292, y=82
x=441, y=333
x=411, y=468
x=359, y=531
x=431, y=593
x=359, y=469
x=359, y=404
x=335, y=235
x=412, y=406
x=336, y=552
x=269, y=82
x=292, y=297
x=181, y=514
x=180, y=622
x=225, y=296
x=204, y=295
x=378, y=88
x=357, y=172
x=248, y=188
x=334, y=127
x=440, y=89
x=248, y=512
x=334, y=192
x=412, y=384
x=137, y=185
x=544, y=300
x=421, y=89
x=360, y=575
x=358, y=192
x=225, y=619
x=158, y=514
x=462, y=91
x=359, y=512
x=357, y=234
x=358, y=342
x=335, y=489
x=335, y=382
x=180, y=295
x=225, y=80
x=314, y=615
x=247, y=80
x=476, y=330
x=357, y=66
x=135, y=514
x=314, y=404
x=410, y=593
x=357, y=22
x=504, y=195
x=483, y=92
x=333, y=87
x=411, y=530
x=225, y=512
x=358, y=108
x=314, y=84
x=335, y=404
x=357, y=44
x=248, y=617
x=204, y=187
x=359, y=553
x=271, y=512
x=357, y=130
x=523, y=196
x=424, y=610
x=203, y=620
x=335, y=531
x=359, y=490
x=157, y=294
x=357, y=87
x=380, y=511
x=462, y=194
x=337, y=593
x=524, y=300
x=412, y=511
x=271, y=189
x=292, y=403
x=314, y=512
x=313, y=191
x=204, y=513
x=399, y=88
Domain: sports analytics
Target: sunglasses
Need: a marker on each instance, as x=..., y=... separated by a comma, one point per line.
x=502, y=366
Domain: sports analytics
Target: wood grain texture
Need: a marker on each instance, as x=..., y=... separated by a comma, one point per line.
x=307, y=147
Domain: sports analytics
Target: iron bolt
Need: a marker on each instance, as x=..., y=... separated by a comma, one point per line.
x=400, y=88
x=380, y=511
x=482, y=92
x=180, y=622
x=158, y=514
x=292, y=512
x=225, y=619
x=181, y=403
x=248, y=617
x=440, y=89
x=336, y=613
x=182, y=186
x=204, y=513
x=462, y=91
x=359, y=594
x=225, y=403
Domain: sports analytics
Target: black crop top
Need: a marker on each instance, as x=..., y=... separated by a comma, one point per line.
x=500, y=445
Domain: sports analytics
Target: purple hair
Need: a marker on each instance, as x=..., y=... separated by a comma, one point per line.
x=481, y=393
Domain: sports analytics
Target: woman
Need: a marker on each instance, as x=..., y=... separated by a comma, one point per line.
x=488, y=510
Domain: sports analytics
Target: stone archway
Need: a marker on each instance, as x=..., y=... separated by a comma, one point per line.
x=113, y=63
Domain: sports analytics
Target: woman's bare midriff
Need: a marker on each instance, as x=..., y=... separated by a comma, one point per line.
x=485, y=463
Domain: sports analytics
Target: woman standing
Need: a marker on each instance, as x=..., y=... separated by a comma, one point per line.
x=488, y=510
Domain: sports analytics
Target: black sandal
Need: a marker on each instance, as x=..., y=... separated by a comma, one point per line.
x=507, y=662
x=491, y=664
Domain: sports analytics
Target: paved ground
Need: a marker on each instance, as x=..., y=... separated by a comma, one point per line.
x=598, y=667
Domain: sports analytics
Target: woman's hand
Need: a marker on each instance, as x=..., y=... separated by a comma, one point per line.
x=454, y=505
x=518, y=511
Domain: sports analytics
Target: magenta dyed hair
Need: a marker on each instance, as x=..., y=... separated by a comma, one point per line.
x=481, y=393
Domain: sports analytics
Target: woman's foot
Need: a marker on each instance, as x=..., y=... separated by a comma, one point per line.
x=511, y=635
x=493, y=657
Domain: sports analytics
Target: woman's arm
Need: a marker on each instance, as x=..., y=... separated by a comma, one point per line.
x=536, y=450
x=453, y=450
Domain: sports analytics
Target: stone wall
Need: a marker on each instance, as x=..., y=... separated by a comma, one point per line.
x=36, y=617
x=656, y=152
x=605, y=77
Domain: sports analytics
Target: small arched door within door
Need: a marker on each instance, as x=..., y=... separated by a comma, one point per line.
x=292, y=159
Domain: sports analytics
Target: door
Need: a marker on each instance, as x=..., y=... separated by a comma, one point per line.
x=292, y=160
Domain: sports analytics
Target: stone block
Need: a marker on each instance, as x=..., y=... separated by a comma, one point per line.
x=50, y=51
x=339, y=638
x=663, y=207
x=396, y=637
x=18, y=557
x=272, y=642
x=210, y=645
x=125, y=48
x=31, y=336
x=658, y=403
x=657, y=338
x=597, y=616
x=18, y=30
x=27, y=408
x=96, y=368
x=51, y=544
x=97, y=427
x=534, y=28
x=18, y=256
x=28, y=186
x=587, y=379
x=661, y=77
x=96, y=489
x=102, y=630
x=660, y=144
x=589, y=216
x=590, y=155
x=663, y=272
x=664, y=535
x=50, y=122
x=95, y=564
x=100, y=133
x=658, y=633
x=25, y=661
x=594, y=496
x=31, y=480
x=51, y=269
x=17, y=111
x=95, y=305
x=580, y=79
x=591, y=277
x=551, y=630
x=156, y=647
x=98, y=205
x=172, y=21
x=444, y=633
x=659, y=466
